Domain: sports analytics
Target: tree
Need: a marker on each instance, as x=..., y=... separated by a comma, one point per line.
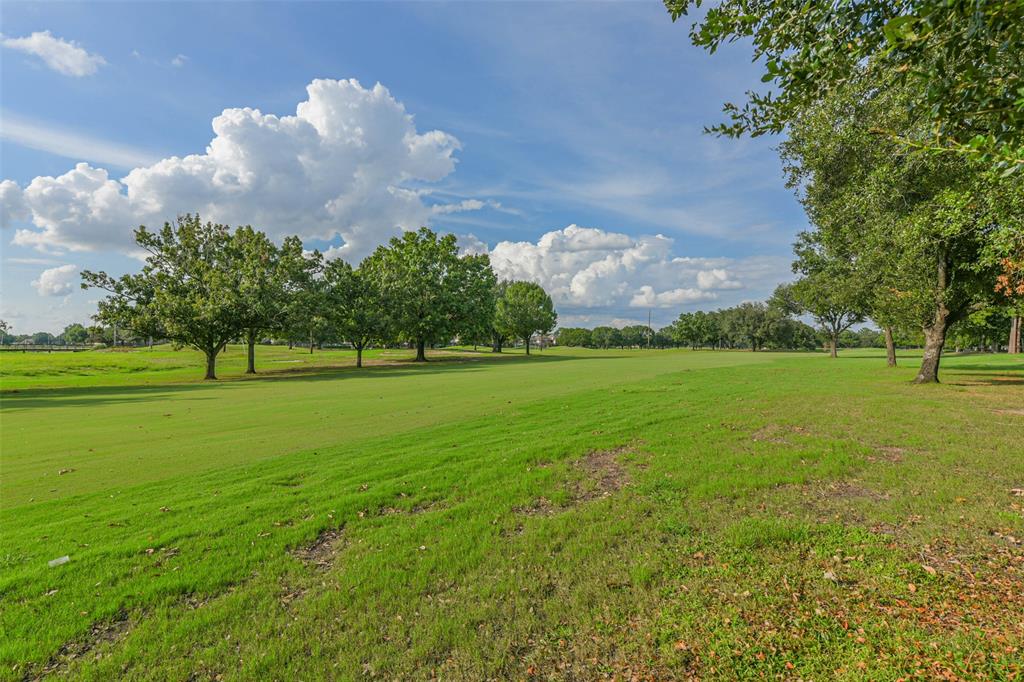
x=353, y=306
x=98, y=333
x=792, y=334
x=1008, y=253
x=751, y=323
x=684, y=331
x=75, y=333
x=304, y=311
x=187, y=290
x=265, y=280
x=477, y=295
x=635, y=335
x=497, y=336
x=5, y=329
x=964, y=61
x=663, y=338
x=525, y=309
x=707, y=327
x=423, y=284
x=573, y=336
x=831, y=290
x=917, y=226
x=984, y=329
x=605, y=337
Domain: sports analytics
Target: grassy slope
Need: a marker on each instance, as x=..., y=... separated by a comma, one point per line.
x=121, y=435
x=777, y=512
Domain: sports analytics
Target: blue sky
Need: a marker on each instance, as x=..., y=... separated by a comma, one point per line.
x=570, y=144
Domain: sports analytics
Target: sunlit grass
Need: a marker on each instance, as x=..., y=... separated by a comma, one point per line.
x=765, y=514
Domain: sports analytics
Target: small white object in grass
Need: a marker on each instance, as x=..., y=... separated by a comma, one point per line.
x=59, y=561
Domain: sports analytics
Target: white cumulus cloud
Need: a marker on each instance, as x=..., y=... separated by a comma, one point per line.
x=647, y=297
x=63, y=56
x=583, y=267
x=12, y=203
x=57, y=281
x=716, y=278
x=339, y=168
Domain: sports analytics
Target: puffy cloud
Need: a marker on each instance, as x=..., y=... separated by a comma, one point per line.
x=334, y=169
x=584, y=267
x=61, y=55
x=57, y=281
x=12, y=203
x=717, y=278
x=82, y=209
x=471, y=245
x=646, y=297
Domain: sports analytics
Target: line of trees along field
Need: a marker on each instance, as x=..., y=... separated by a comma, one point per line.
x=775, y=325
x=904, y=128
x=204, y=285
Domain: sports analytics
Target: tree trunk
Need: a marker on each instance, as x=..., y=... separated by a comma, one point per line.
x=527, y=340
x=250, y=339
x=935, y=332
x=496, y=345
x=1015, y=335
x=890, y=348
x=834, y=351
x=311, y=342
x=934, y=340
x=421, y=346
x=359, y=356
x=211, y=365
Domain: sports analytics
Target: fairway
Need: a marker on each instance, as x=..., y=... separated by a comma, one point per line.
x=575, y=514
x=138, y=430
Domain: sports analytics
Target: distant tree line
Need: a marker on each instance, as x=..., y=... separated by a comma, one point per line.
x=204, y=285
x=775, y=325
x=753, y=326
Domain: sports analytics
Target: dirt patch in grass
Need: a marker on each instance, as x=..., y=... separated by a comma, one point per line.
x=603, y=474
x=839, y=491
x=542, y=506
x=101, y=633
x=597, y=474
x=420, y=508
x=1019, y=413
x=777, y=434
x=888, y=453
x=322, y=551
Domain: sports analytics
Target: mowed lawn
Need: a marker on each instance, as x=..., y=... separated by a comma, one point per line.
x=571, y=515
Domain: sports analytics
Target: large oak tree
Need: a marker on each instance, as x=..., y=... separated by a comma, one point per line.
x=430, y=293
x=188, y=290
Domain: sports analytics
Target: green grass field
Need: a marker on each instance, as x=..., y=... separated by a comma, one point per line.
x=572, y=515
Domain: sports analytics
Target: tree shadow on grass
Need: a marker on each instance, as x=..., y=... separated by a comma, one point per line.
x=37, y=398
x=1007, y=367
x=974, y=379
